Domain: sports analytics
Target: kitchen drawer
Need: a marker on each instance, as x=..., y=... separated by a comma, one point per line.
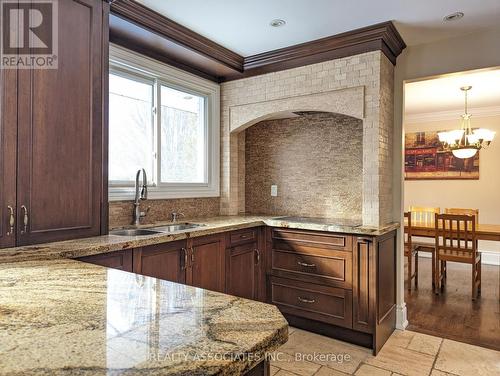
x=322, y=303
x=248, y=235
x=315, y=265
x=325, y=240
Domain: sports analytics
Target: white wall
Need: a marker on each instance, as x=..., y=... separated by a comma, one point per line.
x=482, y=194
x=473, y=51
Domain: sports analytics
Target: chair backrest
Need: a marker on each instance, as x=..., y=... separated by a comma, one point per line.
x=423, y=215
x=456, y=235
x=474, y=212
x=407, y=229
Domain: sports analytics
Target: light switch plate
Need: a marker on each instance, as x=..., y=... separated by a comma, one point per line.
x=274, y=190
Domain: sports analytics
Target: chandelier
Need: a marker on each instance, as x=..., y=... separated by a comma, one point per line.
x=465, y=142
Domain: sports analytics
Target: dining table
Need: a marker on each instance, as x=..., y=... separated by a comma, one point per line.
x=489, y=232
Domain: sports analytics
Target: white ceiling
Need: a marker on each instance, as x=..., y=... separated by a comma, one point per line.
x=444, y=94
x=243, y=25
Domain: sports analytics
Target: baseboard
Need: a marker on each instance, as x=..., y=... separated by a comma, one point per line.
x=487, y=258
x=401, y=318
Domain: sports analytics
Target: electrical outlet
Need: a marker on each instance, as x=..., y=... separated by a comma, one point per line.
x=274, y=190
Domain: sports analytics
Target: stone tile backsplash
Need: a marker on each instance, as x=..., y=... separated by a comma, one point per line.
x=120, y=212
x=316, y=160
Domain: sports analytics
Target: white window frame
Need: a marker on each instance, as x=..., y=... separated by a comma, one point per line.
x=123, y=60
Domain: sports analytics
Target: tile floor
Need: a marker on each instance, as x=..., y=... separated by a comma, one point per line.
x=405, y=353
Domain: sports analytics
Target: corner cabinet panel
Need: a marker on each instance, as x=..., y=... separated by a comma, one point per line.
x=363, y=289
x=60, y=133
x=8, y=147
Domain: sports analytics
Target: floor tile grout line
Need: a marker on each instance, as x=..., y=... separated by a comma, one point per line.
x=420, y=352
x=437, y=354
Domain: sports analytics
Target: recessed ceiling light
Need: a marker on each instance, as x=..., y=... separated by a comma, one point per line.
x=453, y=17
x=277, y=23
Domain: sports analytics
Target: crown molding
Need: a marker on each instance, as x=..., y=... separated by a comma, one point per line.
x=429, y=117
x=149, y=19
x=194, y=52
x=382, y=36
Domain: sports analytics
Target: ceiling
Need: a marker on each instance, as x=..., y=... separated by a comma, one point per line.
x=444, y=94
x=243, y=26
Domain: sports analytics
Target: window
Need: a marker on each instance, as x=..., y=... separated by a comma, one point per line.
x=165, y=121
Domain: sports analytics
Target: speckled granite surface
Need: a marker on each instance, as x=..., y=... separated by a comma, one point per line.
x=68, y=317
x=62, y=316
x=108, y=243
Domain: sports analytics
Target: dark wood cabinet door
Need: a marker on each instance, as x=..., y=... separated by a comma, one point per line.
x=8, y=155
x=166, y=261
x=60, y=132
x=243, y=271
x=207, y=269
x=121, y=260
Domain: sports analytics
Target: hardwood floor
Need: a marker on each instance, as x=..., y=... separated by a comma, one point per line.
x=453, y=314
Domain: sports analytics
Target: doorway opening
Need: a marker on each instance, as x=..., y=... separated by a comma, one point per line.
x=439, y=180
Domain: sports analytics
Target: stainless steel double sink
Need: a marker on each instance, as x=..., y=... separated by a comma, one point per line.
x=156, y=230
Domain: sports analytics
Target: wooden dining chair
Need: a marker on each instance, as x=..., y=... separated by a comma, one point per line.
x=410, y=252
x=456, y=241
x=425, y=216
x=474, y=212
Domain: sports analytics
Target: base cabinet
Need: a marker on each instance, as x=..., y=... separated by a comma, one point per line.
x=245, y=264
x=242, y=271
x=206, y=262
x=339, y=285
x=335, y=284
x=165, y=261
x=121, y=260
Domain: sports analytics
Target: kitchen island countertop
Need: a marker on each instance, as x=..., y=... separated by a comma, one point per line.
x=68, y=317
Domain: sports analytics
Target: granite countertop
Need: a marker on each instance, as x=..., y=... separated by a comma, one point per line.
x=59, y=315
x=68, y=317
x=108, y=243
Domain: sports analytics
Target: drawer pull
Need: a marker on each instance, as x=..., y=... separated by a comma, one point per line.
x=243, y=236
x=305, y=300
x=306, y=265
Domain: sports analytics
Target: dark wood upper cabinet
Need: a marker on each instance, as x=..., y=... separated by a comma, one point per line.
x=166, y=261
x=207, y=269
x=61, y=128
x=8, y=155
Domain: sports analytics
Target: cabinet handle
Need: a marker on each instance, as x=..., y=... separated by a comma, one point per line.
x=305, y=300
x=192, y=255
x=306, y=265
x=184, y=267
x=12, y=220
x=243, y=236
x=257, y=252
x=25, y=219
x=364, y=240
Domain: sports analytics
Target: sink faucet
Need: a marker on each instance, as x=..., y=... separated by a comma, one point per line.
x=140, y=195
x=175, y=216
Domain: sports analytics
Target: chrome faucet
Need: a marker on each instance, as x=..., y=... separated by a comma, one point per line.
x=140, y=195
x=175, y=216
